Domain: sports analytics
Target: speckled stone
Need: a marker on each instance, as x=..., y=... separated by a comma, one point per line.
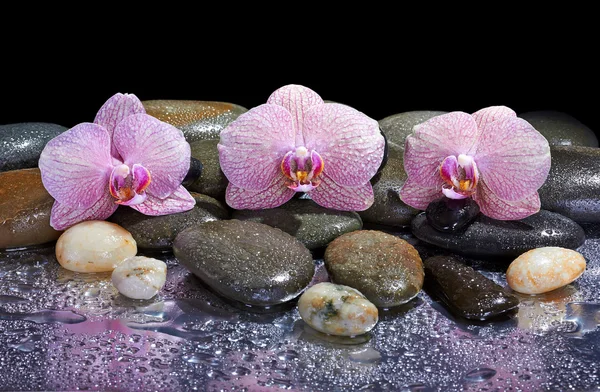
x=386, y=269
x=398, y=126
x=25, y=208
x=311, y=224
x=387, y=208
x=21, y=144
x=198, y=120
x=245, y=261
x=561, y=129
x=158, y=232
x=489, y=237
x=212, y=181
x=573, y=184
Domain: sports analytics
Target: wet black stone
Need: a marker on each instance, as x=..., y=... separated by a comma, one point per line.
x=194, y=173
x=398, y=126
x=561, y=129
x=450, y=215
x=466, y=292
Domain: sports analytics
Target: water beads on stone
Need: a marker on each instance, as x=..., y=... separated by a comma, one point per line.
x=140, y=277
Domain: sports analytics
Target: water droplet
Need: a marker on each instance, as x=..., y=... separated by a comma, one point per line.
x=287, y=355
x=479, y=375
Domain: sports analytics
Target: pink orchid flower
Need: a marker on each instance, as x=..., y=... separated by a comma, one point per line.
x=493, y=156
x=125, y=157
x=297, y=143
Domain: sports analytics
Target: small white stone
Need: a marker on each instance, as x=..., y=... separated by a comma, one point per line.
x=94, y=246
x=337, y=310
x=140, y=277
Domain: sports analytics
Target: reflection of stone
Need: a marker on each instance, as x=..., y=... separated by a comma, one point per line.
x=585, y=315
x=545, y=311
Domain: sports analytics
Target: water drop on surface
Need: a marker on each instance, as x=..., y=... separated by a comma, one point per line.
x=479, y=375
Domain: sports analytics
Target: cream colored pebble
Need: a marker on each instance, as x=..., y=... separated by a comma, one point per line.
x=140, y=277
x=544, y=269
x=94, y=246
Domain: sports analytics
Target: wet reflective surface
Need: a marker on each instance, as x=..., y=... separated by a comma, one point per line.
x=61, y=330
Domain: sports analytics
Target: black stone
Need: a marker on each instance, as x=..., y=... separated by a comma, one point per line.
x=194, y=172
x=561, y=129
x=398, y=126
x=450, y=215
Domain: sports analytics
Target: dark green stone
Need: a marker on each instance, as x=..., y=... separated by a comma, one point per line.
x=212, y=181
x=398, y=126
x=561, y=129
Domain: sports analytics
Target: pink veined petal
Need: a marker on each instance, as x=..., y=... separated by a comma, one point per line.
x=448, y=134
x=276, y=194
x=253, y=146
x=490, y=114
x=159, y=147
x=76, y=165
x=62, y=216
x=116, y=109
x=348, y=141
x=513, y=158
x=178, y=201
x=417, y=196
x=492, y=206
x=329, y=194
x=297, y=100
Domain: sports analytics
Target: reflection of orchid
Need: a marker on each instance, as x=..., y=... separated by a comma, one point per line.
x=125, y=157
x=297, y=143
x=493, y=156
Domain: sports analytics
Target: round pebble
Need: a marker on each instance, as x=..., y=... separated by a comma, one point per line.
x=94, y=246
x=337, y=310
x=544, y=269
x=140, y=277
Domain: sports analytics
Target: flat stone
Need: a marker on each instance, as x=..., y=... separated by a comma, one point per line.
x=212, y=181
x=25, y=208
x=21, y=144
x=198, y=120
x=159, y=232
x=487, y=237
x=245, y=261
x=386, y=269
x=561, y=129
x=311, y=224
x=398, y=126
x=447, y=214
x=573, y=184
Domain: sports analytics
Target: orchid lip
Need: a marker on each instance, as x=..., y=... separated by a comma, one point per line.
x=460, y=176
x=129, y=189
x=302, y=168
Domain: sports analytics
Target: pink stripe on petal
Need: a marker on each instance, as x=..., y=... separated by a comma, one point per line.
x=490, y=114
x=297, y=100
x=178, y=201
x=513, y=158
x=253, y=146
x=159, y=147
x=63, y=216
x=329, y=194
x=496, y=208
x=76, y=165
x=276, y=194
x=418, y=196
x=348, y=141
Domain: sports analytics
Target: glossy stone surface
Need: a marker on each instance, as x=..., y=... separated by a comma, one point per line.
x=466, y=292
x=398, y=126
x=22, y=143
x=198, y=120
x=212, y=181
x=139, y=277
x=25, y=208
x=194, y=172
x=158, y=232
x=311, y=224
x=246, y=261
x=503, y=239
x=561, y=129
x=573, y=184
x=451, y=215
x=385, y=268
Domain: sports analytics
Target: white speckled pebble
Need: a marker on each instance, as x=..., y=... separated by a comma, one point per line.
x=544, y=269
x=140, y=277
x=337, y=310
x=94, y=246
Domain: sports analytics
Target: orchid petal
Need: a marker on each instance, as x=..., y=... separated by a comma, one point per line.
x=450, y=193
x=418, y=196
x=449, y=170
x=76, y=165
x=348, y=141
x=252, y=147
x=448, y=134
x=490, y=114
x=513, y=158
x=496, y=208
x=64, y=216
x=116, y=109
x=178, y=201
x=297, y=100
x=159, y=147
x=276, y=194
x=331, y=195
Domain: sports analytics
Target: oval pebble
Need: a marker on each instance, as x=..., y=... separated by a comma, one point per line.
x=140, y=277
x=94, y=246
x=337, y=310
x=544, y=269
